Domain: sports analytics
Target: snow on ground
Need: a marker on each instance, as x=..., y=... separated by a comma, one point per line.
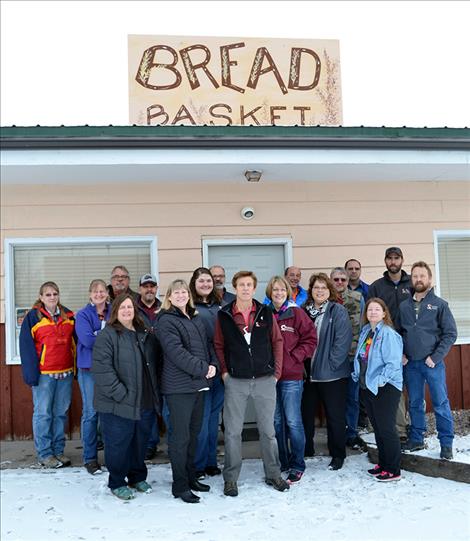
x=69, y=504
x=461, y=447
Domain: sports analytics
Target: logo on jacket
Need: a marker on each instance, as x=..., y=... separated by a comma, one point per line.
x=286, y=328
x=431, y=307
x=405, y=291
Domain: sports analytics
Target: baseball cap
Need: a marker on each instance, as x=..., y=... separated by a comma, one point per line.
x=393, y=250
x=148, y=279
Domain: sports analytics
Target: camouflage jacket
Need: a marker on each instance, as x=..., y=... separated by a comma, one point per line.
x=352, y=303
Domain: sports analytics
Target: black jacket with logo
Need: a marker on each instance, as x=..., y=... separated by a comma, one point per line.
x=392, y=295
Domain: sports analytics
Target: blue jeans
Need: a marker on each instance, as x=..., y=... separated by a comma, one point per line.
x=416, y=374
x=206, y=452
x=154, y=438
x=352, y=408
x=125, y=443
x=51, y=401
x=288, y=425
x=89, y=424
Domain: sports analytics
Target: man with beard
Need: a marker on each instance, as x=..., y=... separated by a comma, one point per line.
x=147, y=301
x=394, y=288
x=149, y=306
x=428, y=329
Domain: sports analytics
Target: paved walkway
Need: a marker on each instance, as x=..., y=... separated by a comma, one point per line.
x=21, y=453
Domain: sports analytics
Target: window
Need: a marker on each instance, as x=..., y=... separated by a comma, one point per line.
x=70, y=262
x=452, y=255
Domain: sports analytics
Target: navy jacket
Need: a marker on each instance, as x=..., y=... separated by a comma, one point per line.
x=432, y=332
x=330, y=360
x=391, y=294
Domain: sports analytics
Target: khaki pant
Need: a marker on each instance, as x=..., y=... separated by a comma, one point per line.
x=401, y=423
x=263, y=392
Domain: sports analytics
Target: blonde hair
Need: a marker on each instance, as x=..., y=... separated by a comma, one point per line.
x=281, y=280
x=178, y=284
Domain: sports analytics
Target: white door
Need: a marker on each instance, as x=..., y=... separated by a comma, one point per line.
x=265, y=260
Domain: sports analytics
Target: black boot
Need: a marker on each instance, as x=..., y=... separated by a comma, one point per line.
x=188, y=497
x=198, y=487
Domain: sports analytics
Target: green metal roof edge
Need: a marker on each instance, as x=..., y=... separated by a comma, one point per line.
x=258, y=132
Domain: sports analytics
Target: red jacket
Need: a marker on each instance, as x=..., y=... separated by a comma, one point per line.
x=300, y=341
x=46, y=346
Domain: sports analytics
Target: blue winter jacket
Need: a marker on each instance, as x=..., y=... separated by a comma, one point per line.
x=300, y=300
x=431, y=333
x=384, y=364
x=87, y=327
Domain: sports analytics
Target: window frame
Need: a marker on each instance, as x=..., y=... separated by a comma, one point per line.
x=9, y=247
x=438, y=235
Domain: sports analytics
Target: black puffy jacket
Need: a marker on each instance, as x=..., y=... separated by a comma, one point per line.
x=187, y=352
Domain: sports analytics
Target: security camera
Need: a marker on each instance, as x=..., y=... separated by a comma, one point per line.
x=247, y=213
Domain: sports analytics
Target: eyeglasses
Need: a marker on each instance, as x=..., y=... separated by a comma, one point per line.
x=50, y=295
x=120, y=277
x=340, y=279
x=279, y=290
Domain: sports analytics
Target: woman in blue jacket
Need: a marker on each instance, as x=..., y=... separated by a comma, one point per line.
x=90, y=320
x=378, y=368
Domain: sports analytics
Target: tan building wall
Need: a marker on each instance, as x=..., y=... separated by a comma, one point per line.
x=328, y=222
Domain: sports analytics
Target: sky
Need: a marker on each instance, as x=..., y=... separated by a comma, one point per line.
x=71, y=505
x=402, y=63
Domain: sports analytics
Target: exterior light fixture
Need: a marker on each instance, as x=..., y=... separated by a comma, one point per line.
x=253, y=176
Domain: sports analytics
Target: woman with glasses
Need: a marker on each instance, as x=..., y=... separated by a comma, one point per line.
x=328, y=370
x=299, y=342
x=47, y=350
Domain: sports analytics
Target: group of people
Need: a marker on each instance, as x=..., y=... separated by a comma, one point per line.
x=202, y=350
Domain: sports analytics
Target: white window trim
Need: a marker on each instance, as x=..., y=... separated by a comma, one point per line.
x=11, y=243
x=240, y=241
x=439, y=235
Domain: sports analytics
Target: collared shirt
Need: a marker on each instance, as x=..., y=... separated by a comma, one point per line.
x=362, y=288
